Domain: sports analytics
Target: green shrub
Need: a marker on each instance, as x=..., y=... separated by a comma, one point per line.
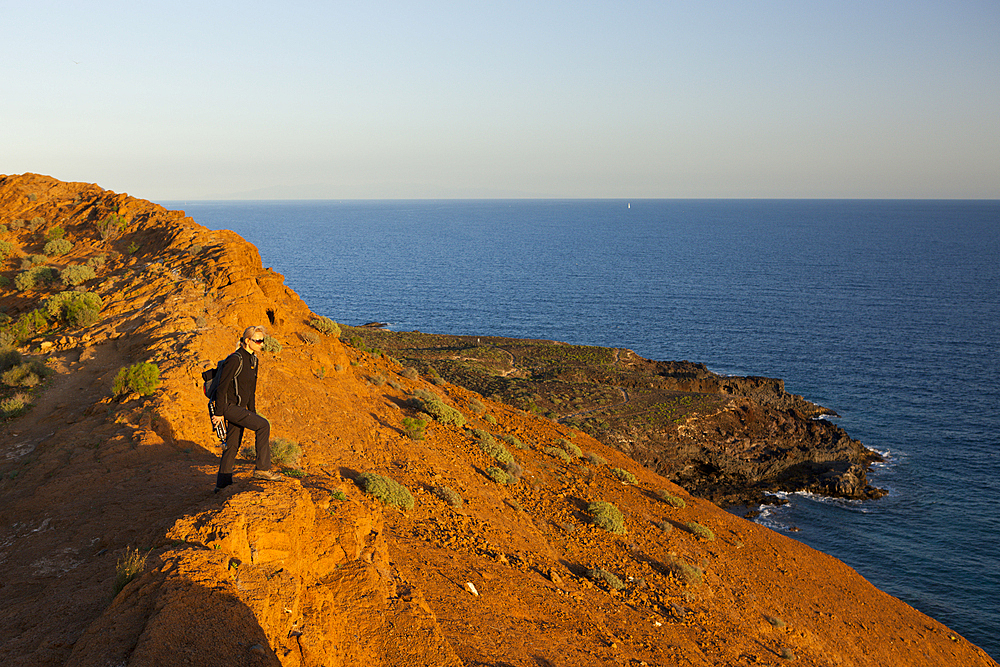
x=6, y=248
x=76, y=274
x=26, y=374
x=17, y=224
x=570, y=448
x=599, y=574
x=285, y=452
x=624, y=475
x=377, y=380
x=14, y=406
x=35, y=276
x=500, y=476
x=700, y=531
x=36, y=222
x=414, y=427
x=389, y=491
x=607, y=516
x=129, y=567
x=449, y=496
x=271, y=344
x=410, y=373
x=56, y=232
x=111, y=226
x=76, y=309
x=96, y=262
x=30, y=261
x=142, y=378
x=491, y=447
x=9, y=357
x=513, y=442
x=337, y=494
x=433, y=405
x=596, y=459
x=559, y=453
x=57, y=247
x=671, y=499
x=326, y=326
x=26, y=326
x=3, y=229
x=683, y=571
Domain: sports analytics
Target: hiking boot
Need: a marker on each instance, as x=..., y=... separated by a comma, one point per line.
x=266, y=474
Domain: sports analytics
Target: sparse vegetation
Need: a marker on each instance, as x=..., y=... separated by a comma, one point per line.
x=14, y=406
x=570, y=448
x=488, y=444
x=285, y=453
x=624, y=475
x=477, y=406
x=513, y=442
x=129, y=567
x=76, y=309
x=142, y=378
x=559, y=453
x=414, y=427
x=683, y=571
x=325, y=326
x=6, y=248
x=450, y=496
x=599, y=574
x=699, y=531
x=271, y=345
x=433, y=405
x=35, y=276
x=57, y=247
x=77, y=274
x=337, y=494
x=500, y=476
x=25, y=374
x=111, y=226
x=605, y=515
x=410, y=373
x=596, y=459
x=670, y=499
x=388, y=490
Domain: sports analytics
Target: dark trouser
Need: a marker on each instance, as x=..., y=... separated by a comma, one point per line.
x=238, y=419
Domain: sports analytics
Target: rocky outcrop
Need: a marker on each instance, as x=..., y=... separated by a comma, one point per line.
x=310, y=570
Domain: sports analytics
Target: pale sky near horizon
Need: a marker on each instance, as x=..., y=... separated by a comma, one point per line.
x=250, y=100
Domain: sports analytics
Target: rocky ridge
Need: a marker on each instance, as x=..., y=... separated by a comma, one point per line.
x=312, y=571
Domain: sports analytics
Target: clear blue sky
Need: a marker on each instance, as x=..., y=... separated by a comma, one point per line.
x=190, y=100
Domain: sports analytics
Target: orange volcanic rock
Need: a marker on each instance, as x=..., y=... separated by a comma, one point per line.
x=310, y=570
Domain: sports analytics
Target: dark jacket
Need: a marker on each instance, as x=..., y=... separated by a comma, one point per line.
x=238, y=389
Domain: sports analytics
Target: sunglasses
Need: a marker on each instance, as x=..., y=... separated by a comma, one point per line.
x=259, y=341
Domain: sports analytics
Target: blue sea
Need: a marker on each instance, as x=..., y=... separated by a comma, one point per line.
x=887, y=312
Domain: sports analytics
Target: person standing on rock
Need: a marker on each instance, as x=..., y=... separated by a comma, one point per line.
x=236, y=403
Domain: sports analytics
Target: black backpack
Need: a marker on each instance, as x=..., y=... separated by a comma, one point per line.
x=212, y=376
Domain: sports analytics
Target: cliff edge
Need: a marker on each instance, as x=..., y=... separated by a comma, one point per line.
x=489, y=562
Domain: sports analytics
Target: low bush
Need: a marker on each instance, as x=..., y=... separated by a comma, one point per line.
x=34, y=277
x=325, y=326
x=599, y=574
x=36, y=222
x=271, y=344
x=26, y=326
x=699, y=531
x=414, y=427
x=389, y=491
x=76, y=309
x=605, y=515
x=596, y=459
x=513, y=468
x=683, y=571
x=111, y=226
x=129, y=567
x=500, y=476
x=14, y=406
x=142, y=378
x=624, y=475
x=559, y=453
x=6, y=248
x=570, y=448
x=410, y=373
x=57, y=247
x=309, y=337
x=76, y=274
x=491, y=447
x=30, y=261
x=477, y=406
x=433, y=405
x=56, y=232
x=670, y=499
x=26, y=374
x=513, y=442
x=96, y=262
x=450, y=496
x=285, y=452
